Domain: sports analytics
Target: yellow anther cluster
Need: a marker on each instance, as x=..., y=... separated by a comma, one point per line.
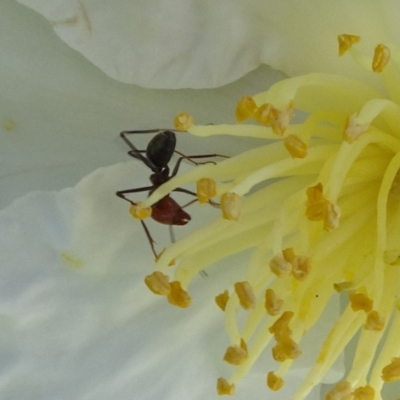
x=236, y=354
x=222, y=299
x=273, y=304
x=183, y=121
x=274, y=382
x=359, y=301
x=346, y=41
x=225, y=388
x=391, y=372
x=139, y=211
x=206, y=189
x=345, y=152
x=230, y=206
x=245, y=294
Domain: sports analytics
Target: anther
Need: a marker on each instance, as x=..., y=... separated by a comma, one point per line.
x=273, y=304
x=177, y=296
x=225, y=388
x=206, y=189
x=222, y=299
x=245, y=108
x=138, y=211
x=391, y=372
x=364, y=393
x=158, y=283
x=274, y=382
x=381, y=58
x=374, y=322
x=341, y=391
x=183, y=121
x=280, y=267
x=230, y=206
x=353, y=130
x=346, y=41
x=295, y=146
x=359, y=301
x=245, y=294
x=236, y=355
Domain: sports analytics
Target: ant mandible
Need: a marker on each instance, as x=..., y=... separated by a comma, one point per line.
x=158, y=154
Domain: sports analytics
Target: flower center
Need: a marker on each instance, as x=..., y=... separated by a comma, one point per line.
x=327, y=221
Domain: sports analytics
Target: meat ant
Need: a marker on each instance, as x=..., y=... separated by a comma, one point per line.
x=158, y=154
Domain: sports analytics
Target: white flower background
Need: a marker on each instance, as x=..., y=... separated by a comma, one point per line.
x=76, y=319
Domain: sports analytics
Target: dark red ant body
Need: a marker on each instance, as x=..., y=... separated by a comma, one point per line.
x=159, y=152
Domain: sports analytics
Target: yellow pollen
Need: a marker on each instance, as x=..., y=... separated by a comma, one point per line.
x=236, y=355
x=139, y=211
x=274, y=382
x=295, y=146
x=206, y=189
x=353, y=129
x=375, y=322
x=273, y=304
x=225, y=388
x=346, y=41
x=245, y=293
x=360, y=301
x=230, y=206
x=222, y=299
x=288, y=254
x=364, y=393
x=245, y=108
x=391, y=372
x=158, y=283
x=341, y=391
x=381, y=58
x=183, y=121
x=280, y=267
x=177, y=296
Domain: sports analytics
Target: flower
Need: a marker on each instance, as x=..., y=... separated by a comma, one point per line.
x=200, y=44
x=319, y=208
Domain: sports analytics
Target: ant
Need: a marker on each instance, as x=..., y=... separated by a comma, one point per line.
x=158, y=154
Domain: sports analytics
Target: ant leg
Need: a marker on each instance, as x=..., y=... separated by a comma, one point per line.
x=150, y=239
x=190, y=158
x=122, y=193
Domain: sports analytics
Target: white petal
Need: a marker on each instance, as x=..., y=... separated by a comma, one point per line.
x=77, y=320
x=60, y=116
x=183, y=43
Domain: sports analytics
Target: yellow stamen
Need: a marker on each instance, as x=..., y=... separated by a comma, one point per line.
x=280, y=328
x=346, y=41
x=158, y=283
x=139, y=211
x=285, y=349
x=280, y=267
x=222, y=299
x=183, y=121
x=236, y=355
x=274, y=382
x=316, y=203
x=245, y=108
x=301, y=267
x=177, y=296
x=225, y=388
x=381, y=58
x=263, y=114
x=206, y=189
x=230, y=206
x=353, y=129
